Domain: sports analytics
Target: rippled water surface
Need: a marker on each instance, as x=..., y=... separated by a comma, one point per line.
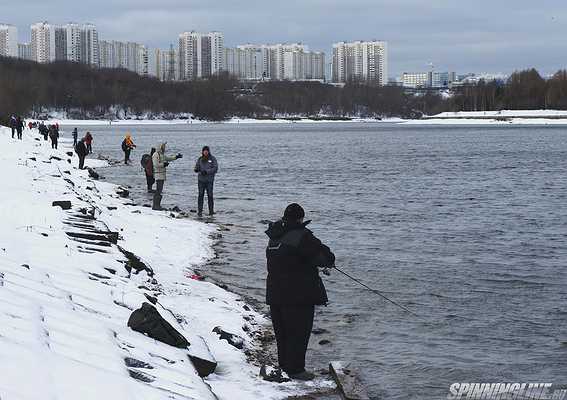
x=465, y=226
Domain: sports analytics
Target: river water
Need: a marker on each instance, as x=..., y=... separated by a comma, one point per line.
x=466, y=226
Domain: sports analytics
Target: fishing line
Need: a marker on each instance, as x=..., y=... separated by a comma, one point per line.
x=376, y=292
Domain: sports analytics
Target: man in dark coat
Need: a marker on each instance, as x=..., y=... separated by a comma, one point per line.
x=19, y=127
x=294, y=286
x=13, y=123
x=44, y=130
x=81, y=150
x=207, y=167
x=54, y=136
x=75, y=136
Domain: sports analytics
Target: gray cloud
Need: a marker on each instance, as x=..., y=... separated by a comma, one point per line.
x=461, y=35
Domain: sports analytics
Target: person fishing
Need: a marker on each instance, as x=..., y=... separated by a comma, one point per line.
x=160, y=162
x=75, y=136
x=206, y=168
x=148, y=167
x=127, y=146
x=294, y=287
x=81, y=150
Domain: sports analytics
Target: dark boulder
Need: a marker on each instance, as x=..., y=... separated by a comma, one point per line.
x=122, y=192
x=231, y=338
x=273, y=374
x=201, y=357
x=147, y=320
x=93, y=174
x=64, y=204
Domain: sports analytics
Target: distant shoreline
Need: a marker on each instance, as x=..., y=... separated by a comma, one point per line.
x=97, y=122
x=504, y=117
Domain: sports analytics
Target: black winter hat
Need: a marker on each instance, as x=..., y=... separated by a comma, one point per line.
x=293, y=212
x=206, y=148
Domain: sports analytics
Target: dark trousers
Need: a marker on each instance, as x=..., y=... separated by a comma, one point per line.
x=45, y=136
x=89, y=148
x=13, y=131
x=53, y=143
x=74, y=141
x=150, y=181
x=127, y=156
x=206, y=186
x=81, y=162
x=20, y=134
x=292, y=327
x=157, y=195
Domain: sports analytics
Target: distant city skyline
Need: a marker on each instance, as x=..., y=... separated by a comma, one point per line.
x=478, y=36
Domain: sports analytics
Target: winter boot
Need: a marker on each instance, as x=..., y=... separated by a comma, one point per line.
x=157, y=202
x=302, y=376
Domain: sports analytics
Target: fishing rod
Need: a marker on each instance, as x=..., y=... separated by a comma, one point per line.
x=376, y=292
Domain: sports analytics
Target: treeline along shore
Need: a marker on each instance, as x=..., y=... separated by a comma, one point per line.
x=82, y=92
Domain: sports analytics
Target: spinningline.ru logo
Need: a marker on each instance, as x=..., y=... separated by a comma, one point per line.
x=505, y=391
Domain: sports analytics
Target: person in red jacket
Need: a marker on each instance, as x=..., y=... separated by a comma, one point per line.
x=88, y=142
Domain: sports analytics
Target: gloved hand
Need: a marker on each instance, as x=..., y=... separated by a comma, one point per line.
x=203, y=172
x=196, y=170
x=179, y=155
x=165, y=164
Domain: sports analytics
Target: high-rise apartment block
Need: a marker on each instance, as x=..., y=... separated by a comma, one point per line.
x=70, y=42
x=200, y=54
x=8, y=41
x=360, y=61
x=275, y=62
x=127, y=55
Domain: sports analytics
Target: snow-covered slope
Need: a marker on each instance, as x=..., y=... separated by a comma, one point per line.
x=65, y=301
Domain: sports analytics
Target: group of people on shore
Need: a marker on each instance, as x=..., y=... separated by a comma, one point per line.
x=294, y=255
x=155, y=165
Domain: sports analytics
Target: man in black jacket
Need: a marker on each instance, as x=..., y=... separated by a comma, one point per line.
x=294, y=287
x=81, y=150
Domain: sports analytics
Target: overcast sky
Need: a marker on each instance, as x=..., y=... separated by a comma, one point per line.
x=460, y=35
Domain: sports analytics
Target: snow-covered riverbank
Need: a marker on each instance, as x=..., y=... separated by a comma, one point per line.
x=504, y=117
x=135, y=122
x=66, y=298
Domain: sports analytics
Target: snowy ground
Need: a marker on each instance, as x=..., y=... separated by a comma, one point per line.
x=65, y=303
x=504, y=117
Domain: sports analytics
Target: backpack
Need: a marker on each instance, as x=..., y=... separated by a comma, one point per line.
x=124, y=145
x=144, y=161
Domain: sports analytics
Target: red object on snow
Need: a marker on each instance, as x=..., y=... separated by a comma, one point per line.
x=197, y=277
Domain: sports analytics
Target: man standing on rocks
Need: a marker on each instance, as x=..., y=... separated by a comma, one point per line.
x=294, y=287
x=206, y=167
x=160, y=162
